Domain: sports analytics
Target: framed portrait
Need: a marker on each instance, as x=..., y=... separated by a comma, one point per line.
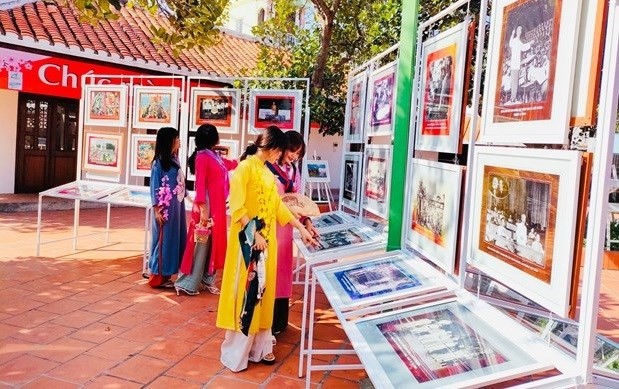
x=531, y=60
x=105, y=105
x=103, y=152
x=519, y=236
x=216, y=106
x=588, y=72
x=227, y=148
x=142, y=154
x=377, y=180
x=380, y=107
x=369, y=281
x=442, y=78
x=355, y=107
x=316, y=170
x=450, y=343
x=281, y=108
x=155, y=107
x=351, y=180
x=432, y=219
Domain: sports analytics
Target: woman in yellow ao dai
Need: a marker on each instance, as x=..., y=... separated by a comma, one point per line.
x=253, y=194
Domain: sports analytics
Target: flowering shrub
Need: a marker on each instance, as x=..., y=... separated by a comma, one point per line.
x=164, y=196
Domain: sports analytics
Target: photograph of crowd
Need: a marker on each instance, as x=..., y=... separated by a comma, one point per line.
x=519, y=217
x=214, y=109
x=428, y=214
x=439, y=87
x=529, y=39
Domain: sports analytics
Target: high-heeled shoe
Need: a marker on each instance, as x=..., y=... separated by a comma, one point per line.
x=188, y=292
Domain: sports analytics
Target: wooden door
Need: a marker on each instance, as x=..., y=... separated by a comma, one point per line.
x=46, y=142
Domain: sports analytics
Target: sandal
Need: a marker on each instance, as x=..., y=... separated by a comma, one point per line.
x=268, y=359
x=188, y=292
x=169, y=284
x=212, y=289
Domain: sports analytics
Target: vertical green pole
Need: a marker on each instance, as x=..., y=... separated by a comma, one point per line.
x=408, y=41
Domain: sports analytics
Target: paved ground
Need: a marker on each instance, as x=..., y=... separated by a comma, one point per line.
x=86, y=319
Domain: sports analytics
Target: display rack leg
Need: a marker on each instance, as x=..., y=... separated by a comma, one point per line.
x=303, y=317
x=76, y=222
x=310, y=335
x=39, y=225
x=107, y=224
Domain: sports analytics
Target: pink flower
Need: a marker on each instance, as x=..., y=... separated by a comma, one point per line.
x=164, y=196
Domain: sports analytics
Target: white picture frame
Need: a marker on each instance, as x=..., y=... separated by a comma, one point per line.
x=539, y=110
x=279, y=107
x=355, y=108
x=352, y=172
x=103, y=152
x=316, y=170
x=227, y=148
x=105, y=105
x=533, y=254
x=155, y=107
x=442, y=90
x=432, y=217
x=377, y=180
x=380, y=100
x=339, y=241
x=142, y=154
x=217, y=106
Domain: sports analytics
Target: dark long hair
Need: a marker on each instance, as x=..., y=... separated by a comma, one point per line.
x=163, y=147
x=295, y=142
x=207, y=137
x=271, y=139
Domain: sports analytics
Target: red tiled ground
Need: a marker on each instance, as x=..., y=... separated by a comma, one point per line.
x=86, y=319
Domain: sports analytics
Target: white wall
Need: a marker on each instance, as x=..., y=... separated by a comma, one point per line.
x=328, y=148
x=8, y=134
x=243, y=15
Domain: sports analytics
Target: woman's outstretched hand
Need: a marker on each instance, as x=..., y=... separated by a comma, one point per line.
x=307, y=238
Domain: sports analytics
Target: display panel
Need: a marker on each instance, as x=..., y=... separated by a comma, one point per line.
x=519, y=236
x=376, y=180
x=432, y=224
x=155, y=107
x=281, y=108
x=380, y=106
x=443, y=64
x=142, y=154
x=103, y=152
x=216, y=106
x=105, y=105
x=351, y=178
x=355, y=108
x=531, y=63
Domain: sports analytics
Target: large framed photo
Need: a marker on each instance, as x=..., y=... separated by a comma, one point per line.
x=519, y=236
x=351, y=180
x=227, y=148
x=103, y=153
x=432, y=224
x=588, y=72
x=316, y=170
x=216, y=106
x=531, y=60
x=451, y=343
x=380, y=109
x=355, y=108
x=105, y=105
x=155, y=107
x=142, y=154
x=376, y=179
x=442, y=80
x=281, y=108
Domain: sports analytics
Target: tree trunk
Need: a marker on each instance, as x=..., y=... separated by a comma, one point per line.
x=325, y=43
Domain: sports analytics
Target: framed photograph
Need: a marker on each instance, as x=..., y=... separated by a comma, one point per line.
x=103, y=152
x=380, y=107
x=105, y=105
x=83, y=190
x=462, y=343
x=142, y=154
x=331, y=219
x=442, y=76
x=316, y=170
x=227, y=148
x=432, y=224
x=355, y=107
x=132, y=195
x=519, y=236
x=531, y=60
x=368, y=281
x=216, y=106
x=588, y=73
x=339, y=240
x=155, y=107
x=376, y=180
x=351, y=179
x=281, y=108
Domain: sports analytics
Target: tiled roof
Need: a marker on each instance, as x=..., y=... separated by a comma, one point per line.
x=48, y=26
